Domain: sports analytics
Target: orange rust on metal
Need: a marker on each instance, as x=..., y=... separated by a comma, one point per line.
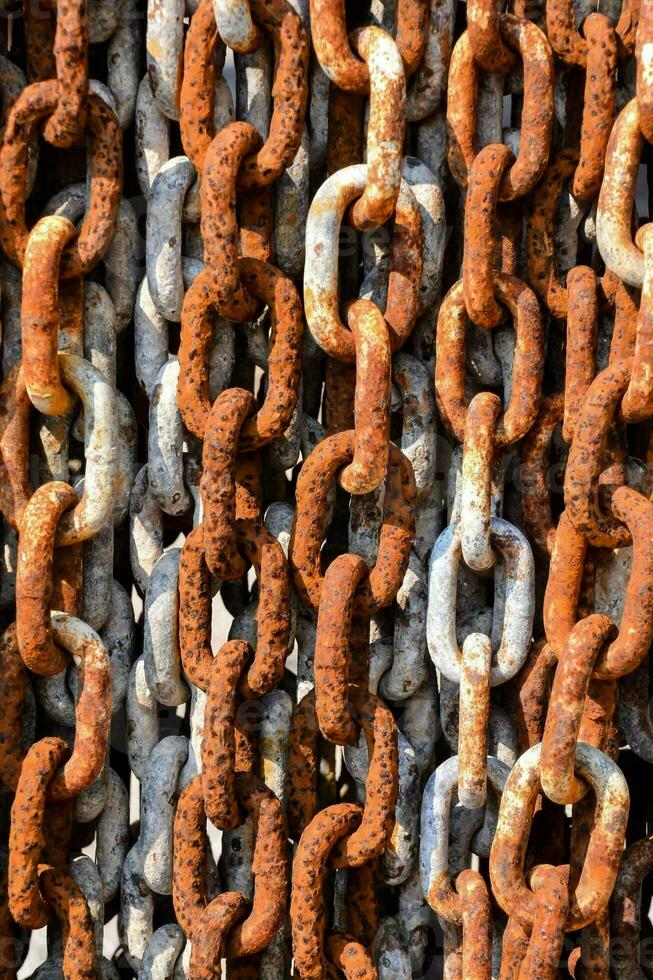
x=563, y=587
x=637, y=403
x=34, y=577
x=598, y=105
x=372, y=399
x=481, y=234
x=78, y=934
x=66, y=124
x=547, y=936
x=256, y=213
x=385, y=137
x=405, y=274
x=345, y=129
x=381, y=784
x=477, y=925
x=309, y=869
x=218, y=488
x=331, y=42
x=582, y=329
x=196, y=101
x=249, y=487
x=537, y=113
x=644, y=88
x=266, y=283
x=13, y=682
x=636, y=626
x=195, y=611
x=332, y=653
x=362, y=905
x=39, y=314
x=92, y=723
x=536, y=473
x=527, y=695
x=485, y=37
x=261, y=167
x=587, y=459
x=624, y=335
x=219, y=749
x=27, y=832
x=105, y=168
x=213, y=925
x=568, y=695
x=284, y=356
x=596, y=723
x=15, y=405
x=514, y=944
x=273, y=615
x=189, y=856
x=269, y=868
x=412, y=17
x=540, y=245
x=303, y=764
x=40, y=28
x=339, y=395
x=528, y=365
x=219, y=222
x=316, y=477
x=9, y=932
x=563, y=34
x=350, y=957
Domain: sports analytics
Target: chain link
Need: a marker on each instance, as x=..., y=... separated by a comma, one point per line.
x=326, y=581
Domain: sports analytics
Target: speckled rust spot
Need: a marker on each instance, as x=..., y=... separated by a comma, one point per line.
x=273, y=615
x=34, y=577
x=13, y=682
x=15, y=405
x=537, y=113
x=261, y=167
x=481, y=234
x=372, y=399
x=316, y=477
x=535, y=471
x=477, y=925
x=303, y=766
x=27, y=837
x=332, y=652
x=219, y=221
x=212, y=928
x=78, y=934
x=266, y=283
x=540, y=246
x=309, y=869
x=217, y=487
x=219, y=744
x=528, y=363
x=381, y=785
x=598, y=105
x=350, y=956
x=66, y=124
x=105, y=161
x=195, y=611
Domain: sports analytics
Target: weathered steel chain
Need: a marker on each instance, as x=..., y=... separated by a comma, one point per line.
x=326, y=407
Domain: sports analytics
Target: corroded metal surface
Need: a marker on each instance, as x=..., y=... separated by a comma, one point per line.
x=326, y=578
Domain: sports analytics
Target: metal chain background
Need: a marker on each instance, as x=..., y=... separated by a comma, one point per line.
x=326, y=418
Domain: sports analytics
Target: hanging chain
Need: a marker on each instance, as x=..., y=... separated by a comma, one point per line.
x=326, y=417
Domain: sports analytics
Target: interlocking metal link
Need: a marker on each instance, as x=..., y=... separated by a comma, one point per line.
x=326, y=507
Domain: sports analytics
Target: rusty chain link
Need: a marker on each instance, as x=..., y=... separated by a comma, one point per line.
x=326, y=436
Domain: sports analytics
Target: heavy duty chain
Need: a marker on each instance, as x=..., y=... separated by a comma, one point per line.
x=326, y=434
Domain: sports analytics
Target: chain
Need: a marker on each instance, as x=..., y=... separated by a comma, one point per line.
x=326, y=404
